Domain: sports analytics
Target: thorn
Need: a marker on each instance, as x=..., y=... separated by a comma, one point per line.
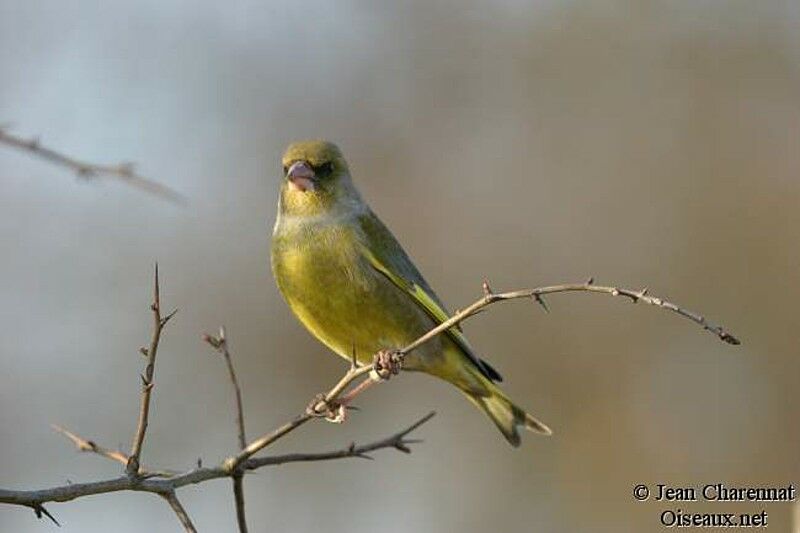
x=167, y=318
x=199, y=462
x=487, y=291
x=730, y=339
x=400, y=445
x=365, y=456
x=146, y=385
x=143, y=351
x=639, y=295
x=215, y=342
x=590, y=281
x=156, y=290
x=39, y=510
x=540, y=301
x=352, y=448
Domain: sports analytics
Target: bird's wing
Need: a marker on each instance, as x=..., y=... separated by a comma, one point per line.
x=385, y=254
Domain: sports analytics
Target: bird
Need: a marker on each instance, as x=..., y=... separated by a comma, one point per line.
x=350, y=283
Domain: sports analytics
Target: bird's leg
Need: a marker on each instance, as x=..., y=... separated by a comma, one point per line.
x=387, y=363
x=355, y=391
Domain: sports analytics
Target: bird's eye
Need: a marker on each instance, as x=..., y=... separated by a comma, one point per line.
x=325, y=169
x=285, y=169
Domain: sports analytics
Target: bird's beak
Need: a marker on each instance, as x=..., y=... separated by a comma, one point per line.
x=301, y=176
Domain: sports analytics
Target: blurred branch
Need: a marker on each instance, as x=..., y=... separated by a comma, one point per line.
x=124, y=172
x=331, y=406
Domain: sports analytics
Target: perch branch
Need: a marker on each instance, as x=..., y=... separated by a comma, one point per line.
x=326, y=403
x=329, y=405
x=124, y=172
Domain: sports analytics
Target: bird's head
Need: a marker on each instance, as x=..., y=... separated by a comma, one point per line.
x=316, y=179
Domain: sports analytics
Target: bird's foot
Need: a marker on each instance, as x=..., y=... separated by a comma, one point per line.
x=331, y=410
x=387, y=363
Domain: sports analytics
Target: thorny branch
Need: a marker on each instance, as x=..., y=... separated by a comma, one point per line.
x=330, y=405
x=124, y=172
x=132, y=466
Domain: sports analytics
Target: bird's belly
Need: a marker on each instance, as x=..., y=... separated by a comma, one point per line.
x=348, y=305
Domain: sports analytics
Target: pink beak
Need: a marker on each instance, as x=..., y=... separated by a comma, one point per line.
x=301, y=176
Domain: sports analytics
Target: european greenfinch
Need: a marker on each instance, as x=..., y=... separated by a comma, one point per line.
x=351, y=284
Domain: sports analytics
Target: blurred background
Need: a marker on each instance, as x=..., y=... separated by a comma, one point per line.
x=526, y=142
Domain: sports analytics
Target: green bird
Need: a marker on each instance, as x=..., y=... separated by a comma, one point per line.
x=351, y=284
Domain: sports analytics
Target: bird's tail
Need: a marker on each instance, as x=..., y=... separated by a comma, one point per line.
x=507, y=416
x=503, y=412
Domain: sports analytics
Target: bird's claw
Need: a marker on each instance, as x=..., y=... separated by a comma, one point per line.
x=330, y=410
x=387, y=364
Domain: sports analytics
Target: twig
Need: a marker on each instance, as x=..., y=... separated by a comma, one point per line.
x=132, y=466
x=588, y=286
x=180, y=512
x=124, y=172
x=91, y=446
x=220, y=343
x=164, y=485
x=238, y=498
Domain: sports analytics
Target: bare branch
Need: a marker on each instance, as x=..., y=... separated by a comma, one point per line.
x=180, y=512
x=86, y=445
x=238, y=498
x=124, y=172
x=91, y=446
x=589, y=286
x=220, y=343
x=164, y=485
x=132, y=466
